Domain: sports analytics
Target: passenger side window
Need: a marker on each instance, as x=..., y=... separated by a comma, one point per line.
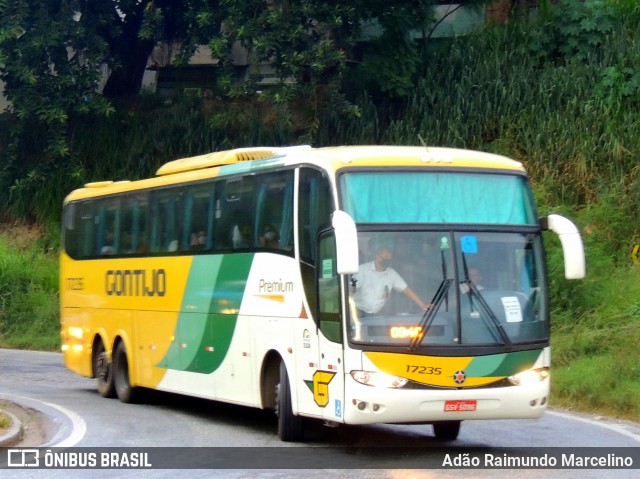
x=199, y=217
x=274, y=211
x=235, y=214
x=328, y=288
x=134, y=224
x=314, y=210
x=166, y=224
x=108, y=227
x=79, y=229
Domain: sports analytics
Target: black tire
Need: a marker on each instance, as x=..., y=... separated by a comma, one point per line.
x=103, y=371
x=446, y=430
x=290, y=427
x=125, y=392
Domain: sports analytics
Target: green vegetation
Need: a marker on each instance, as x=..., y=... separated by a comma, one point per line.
x=560, y=92
x=5, y=421
x=54, y=52
x=29, y=306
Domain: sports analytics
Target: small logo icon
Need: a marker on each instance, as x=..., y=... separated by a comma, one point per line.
x=320, y=386
x=23, y=458
x=459, y=377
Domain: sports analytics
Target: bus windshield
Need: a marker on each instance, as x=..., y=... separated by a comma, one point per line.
x=448, y=288
x=476, y=281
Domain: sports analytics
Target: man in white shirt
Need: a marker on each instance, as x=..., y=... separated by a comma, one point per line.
x=374, y=282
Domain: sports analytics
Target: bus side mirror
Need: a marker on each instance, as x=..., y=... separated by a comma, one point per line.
x=571, y=241
x=347, y=257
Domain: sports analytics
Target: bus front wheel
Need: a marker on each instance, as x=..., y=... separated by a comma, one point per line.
x=103, y=371
x=124, y=389
x=446, y=430
x=290, y=427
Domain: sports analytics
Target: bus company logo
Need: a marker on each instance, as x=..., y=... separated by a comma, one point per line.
x=459, y=377
x=135, y=282
x=319, y=386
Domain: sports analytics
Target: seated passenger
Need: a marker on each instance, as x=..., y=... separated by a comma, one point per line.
x=198, y=240
x=270, y=237
x=239, y=236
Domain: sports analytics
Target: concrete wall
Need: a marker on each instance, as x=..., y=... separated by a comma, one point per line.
x=4, y=104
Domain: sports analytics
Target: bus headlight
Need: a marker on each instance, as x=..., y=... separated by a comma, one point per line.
x=376, y=379
x=529, y=377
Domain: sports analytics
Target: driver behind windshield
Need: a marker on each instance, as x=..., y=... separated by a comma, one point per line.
x=373, y=283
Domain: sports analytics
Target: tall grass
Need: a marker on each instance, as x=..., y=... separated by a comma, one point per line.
x=572, y=118
x=29, y=305
x=595, y=355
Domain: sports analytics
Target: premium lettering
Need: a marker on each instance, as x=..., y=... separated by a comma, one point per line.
x=136, y=282
x=275, y=286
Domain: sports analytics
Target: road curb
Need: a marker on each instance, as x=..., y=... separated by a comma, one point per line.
x=64, y=427
x=14, y=434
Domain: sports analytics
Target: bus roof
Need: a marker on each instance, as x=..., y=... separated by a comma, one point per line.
x=373, y=155
x=240, y=160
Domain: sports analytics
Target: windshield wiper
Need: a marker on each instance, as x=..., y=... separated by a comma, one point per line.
x=488, y=313
x=430, y=314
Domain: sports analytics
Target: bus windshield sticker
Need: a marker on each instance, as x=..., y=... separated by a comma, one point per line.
x=512, y=309
x=327, y=268
x=469, y=244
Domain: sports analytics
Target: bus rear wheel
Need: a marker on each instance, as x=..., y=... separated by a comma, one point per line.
x=446, y=430
x=103, y=371
x=290, y=427
x=125, y=391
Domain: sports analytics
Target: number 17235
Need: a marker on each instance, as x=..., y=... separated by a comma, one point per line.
x=411, y=368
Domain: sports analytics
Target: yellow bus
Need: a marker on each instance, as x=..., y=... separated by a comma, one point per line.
x=353, y=285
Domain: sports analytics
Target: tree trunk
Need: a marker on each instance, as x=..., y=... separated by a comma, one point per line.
x=125, y=80
x=132, y=53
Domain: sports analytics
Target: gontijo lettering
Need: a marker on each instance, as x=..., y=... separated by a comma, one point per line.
x=136, y=282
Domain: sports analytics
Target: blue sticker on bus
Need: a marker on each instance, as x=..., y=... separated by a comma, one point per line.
x=469, y=244
x=338, y=408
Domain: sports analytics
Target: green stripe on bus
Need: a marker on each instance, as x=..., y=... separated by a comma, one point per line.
x=498, y=365
x=209, y=312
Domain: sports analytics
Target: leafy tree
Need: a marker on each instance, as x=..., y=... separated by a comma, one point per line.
x=400, y=54
x=54, y=53
x=136, y=26
x=53, y=56
x=312, y=43
x=49, y=61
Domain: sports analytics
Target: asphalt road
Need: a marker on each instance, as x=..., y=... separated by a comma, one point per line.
x=83, y=419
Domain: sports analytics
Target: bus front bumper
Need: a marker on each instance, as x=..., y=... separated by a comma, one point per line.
x=369, y=405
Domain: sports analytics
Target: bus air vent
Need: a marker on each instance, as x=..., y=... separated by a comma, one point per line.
x=218, y=158
x=98, y=184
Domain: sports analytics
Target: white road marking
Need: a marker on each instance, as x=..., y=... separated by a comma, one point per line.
x=612, y=427
x=77, y=424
